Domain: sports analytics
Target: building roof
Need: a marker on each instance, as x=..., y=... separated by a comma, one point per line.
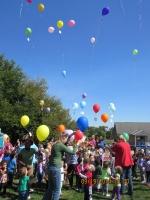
x=133, y=128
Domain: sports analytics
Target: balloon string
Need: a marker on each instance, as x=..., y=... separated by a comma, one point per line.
x=122, y=7
x=21, y=8
x=140, y=14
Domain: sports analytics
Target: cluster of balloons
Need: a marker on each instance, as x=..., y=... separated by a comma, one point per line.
x=104, y=117
x=112, y=109
x=71, y=23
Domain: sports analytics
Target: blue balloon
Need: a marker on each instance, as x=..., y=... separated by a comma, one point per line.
x=82, y=123
x=105, y=11
x=83, y=104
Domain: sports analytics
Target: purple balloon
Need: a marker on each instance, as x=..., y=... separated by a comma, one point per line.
x=105, y=11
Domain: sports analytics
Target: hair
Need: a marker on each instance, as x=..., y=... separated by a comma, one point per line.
x=91, y=168
x=118, y=169
x=23, y=171
x=106, y=164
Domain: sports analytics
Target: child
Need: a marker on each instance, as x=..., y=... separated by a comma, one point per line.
x=97, y=174
x=105, y=177
x=147, y=169
x=3, y=176
x=140, y=162
x=79, y=170
x=116, y=182
x=40, y=170
x=23, y=187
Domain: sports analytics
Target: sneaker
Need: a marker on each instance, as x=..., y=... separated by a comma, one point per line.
x=143, y=182
x=107, y=195
x=29, y=197
x=31, y=190
x=103, y=193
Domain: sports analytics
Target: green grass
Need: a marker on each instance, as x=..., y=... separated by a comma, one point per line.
x=141, y=192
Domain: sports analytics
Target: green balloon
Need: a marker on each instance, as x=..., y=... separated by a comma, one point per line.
x=135, y=52
x=28, y=31
x=126, y=136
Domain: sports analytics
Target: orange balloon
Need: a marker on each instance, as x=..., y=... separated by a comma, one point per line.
x=61, y=128
x=104, y=117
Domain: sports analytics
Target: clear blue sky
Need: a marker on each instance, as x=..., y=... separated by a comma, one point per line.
x=107, y=72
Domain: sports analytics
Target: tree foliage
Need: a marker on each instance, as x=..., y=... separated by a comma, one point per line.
x=21, y=96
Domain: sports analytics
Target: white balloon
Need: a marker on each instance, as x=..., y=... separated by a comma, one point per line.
x=112, y=107
x=75, y=106
x=93, y=40
x=51, y=29
x=64, y=73
x=68, y=132
x=82, y=113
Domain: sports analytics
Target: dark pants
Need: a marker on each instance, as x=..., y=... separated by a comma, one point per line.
x=10, y=178
x=87, y=192
x=23, y=195
x=79, y=182
x=148, y=176
x=134, y=171
x=126, y=178
x=71, y=171
x=54, y=183
x=3, y=186
x=116, y=191
x=40, y=178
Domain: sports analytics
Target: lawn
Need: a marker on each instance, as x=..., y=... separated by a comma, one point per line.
x=141, y=192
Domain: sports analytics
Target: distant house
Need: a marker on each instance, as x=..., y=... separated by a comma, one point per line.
x=139, y=132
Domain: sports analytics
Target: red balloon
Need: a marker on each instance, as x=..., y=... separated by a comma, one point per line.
x=96, y=108
x=29, y=1
x=78, y=135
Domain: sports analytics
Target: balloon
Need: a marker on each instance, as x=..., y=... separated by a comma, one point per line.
x=68, y=132
x=24, y=120
x=71, y=23
x=29, y=1
x=64, y=73
x=78, y=135
x=61, y=128
x=41, y=7
x=28, y=32
x=42, y=132
x=104, y=117
x=48, y=109
x=75, y=106
x=126, y=136
x=83, y=104
x=82, y=113
x=51, y=29
x=93, y=40
x=105, y=11
x=112, y=107
x=84, y=95
x=82, y=123
x=60, y=24
x=42, y=102
x=135, y=52
x=96, y=108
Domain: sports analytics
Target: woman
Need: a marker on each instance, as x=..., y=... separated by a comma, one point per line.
x=54, y=168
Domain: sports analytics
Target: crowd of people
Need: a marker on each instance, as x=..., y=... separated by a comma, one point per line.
x=85, y=166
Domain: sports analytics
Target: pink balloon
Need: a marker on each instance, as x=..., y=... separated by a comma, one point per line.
x=51, y=29
x=29, y=1
x=71, y=23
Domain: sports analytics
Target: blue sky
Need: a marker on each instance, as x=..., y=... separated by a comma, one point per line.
x=107, y=72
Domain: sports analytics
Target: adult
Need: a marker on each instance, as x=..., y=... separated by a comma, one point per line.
x=54, y=168
x=101, y=144
x=123, y=158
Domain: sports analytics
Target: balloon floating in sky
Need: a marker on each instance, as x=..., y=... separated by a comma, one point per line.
x=82, y=123
x=28, y=32
x=41, y=7
x=135, y=52
x=75, y=106
x=24, y=120
x=112, y=107
x=92, y=40
x=105, y=11
x=29, y=1
x=83, y=104
x=96, y=108
x=84, y=95
x=82, y=113
x=104, y=117
x=51, y=29
x=71, y=23
x=64, y=73
x=60, y=24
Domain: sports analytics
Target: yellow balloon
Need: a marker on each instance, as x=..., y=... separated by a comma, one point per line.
x=24, y=120
x=42, y=102
x=60, y=24
x=42, y=132
x=41, y=7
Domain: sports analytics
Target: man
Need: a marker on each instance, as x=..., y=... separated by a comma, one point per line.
x=123, y=158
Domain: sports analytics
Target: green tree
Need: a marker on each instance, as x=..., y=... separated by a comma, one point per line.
x=21, y=96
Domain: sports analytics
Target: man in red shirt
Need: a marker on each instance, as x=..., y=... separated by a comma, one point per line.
x=123, y=158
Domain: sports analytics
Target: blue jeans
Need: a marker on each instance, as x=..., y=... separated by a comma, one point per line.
x=54, y=184
x=23, y=195
x=127, y=178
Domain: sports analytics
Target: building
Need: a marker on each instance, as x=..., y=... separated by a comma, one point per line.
x=139, y=132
